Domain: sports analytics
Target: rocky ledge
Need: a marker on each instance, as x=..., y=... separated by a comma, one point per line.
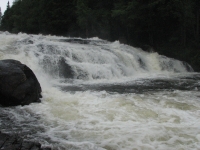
x=18, y=84
x=14, y=142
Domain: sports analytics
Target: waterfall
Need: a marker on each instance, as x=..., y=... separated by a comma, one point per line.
x=89, y=59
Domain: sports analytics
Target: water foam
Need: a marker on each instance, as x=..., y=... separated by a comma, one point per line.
x=99, y=120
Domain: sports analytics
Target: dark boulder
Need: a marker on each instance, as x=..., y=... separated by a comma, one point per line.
x=18, y=84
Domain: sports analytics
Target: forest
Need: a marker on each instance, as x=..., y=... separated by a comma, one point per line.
x=169, y=27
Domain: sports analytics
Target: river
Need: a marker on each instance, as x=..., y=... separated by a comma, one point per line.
x=100, y=95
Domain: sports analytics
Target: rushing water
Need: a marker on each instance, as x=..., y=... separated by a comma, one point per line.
x=99, y=95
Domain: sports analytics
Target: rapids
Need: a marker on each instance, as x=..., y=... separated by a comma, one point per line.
x=100, y=95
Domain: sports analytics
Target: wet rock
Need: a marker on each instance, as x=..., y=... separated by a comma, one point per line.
x=14, y=142
x=65, y=70
x=18, y=84
x=74, y=40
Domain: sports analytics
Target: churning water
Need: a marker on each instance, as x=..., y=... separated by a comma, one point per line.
x=100, y=95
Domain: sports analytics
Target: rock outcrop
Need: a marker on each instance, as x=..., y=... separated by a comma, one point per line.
x=18, y=84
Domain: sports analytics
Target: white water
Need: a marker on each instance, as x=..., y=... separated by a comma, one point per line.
x=102, y=120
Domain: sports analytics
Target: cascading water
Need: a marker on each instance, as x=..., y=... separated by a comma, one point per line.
x=97, y=59
x=100, y=95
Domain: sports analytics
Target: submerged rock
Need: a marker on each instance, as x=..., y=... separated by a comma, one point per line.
x=18, y=84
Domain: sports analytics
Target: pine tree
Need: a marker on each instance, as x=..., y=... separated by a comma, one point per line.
x=8, y=5
x=0, y=15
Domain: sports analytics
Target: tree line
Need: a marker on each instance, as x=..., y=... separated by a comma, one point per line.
x=171, y=27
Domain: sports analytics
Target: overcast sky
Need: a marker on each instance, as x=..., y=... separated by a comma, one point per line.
x=3, y=4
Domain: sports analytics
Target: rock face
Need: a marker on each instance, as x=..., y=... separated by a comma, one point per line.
x=18, y=84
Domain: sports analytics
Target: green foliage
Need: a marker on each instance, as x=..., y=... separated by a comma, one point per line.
x=162, y=24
